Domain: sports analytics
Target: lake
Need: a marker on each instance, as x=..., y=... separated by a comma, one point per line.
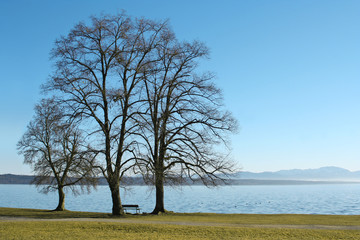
x=264, y=199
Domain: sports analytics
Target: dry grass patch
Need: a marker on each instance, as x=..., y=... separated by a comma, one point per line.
x=101, y=230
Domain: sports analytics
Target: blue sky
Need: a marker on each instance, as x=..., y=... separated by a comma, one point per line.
x=289, y=70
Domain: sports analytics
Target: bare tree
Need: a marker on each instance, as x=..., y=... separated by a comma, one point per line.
x=98, y=71
x=55, y=149
x=183, y=125
x=133, y=87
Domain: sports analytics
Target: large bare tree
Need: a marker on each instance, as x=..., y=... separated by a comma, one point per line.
x=184, y=126
x=54, y=147
x=98, y=72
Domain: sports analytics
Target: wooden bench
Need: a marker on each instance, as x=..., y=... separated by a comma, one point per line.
x=127, y=207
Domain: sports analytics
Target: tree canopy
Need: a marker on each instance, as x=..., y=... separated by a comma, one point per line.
x=136, y=92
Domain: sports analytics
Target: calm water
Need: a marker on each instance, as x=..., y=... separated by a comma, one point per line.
x=307, y=199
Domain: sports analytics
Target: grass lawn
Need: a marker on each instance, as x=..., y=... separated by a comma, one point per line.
x=101, y=230
x=161, y=227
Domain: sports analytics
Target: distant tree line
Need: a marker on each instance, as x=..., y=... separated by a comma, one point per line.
x=136, y=180
x=127, y=99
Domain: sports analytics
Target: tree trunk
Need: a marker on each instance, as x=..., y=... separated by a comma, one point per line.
x=61, y=205
x=117, y=206
x=159, y=186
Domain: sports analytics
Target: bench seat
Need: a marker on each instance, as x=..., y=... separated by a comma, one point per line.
x=127, y=207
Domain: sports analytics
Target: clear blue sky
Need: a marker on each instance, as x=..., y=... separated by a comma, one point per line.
x=290, y=71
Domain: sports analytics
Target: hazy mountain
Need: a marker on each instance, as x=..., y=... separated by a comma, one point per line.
x=321, y=174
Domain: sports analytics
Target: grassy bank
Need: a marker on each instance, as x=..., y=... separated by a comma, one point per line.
x=295, y=219
x=172, y=226
x=48, y=214
x=101, y=230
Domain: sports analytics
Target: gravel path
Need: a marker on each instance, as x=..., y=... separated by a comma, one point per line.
x=137, y=221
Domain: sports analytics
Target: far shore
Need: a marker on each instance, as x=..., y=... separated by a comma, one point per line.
x=138, y=181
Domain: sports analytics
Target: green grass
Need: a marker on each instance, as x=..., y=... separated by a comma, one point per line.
x=101, y=230
x=147, y=227
x=295, y=219
x=292, y=219
x=49, y=214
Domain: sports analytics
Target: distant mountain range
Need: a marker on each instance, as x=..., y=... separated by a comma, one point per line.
x=294, y=176
x=319, y=174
